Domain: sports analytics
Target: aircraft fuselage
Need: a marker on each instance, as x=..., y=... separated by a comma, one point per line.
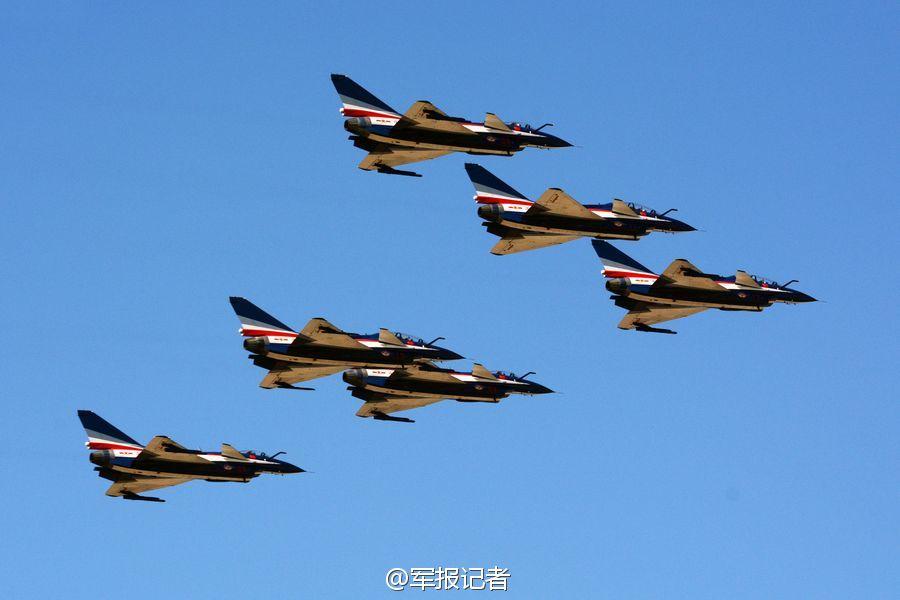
x=728, y=299
x=317, y=354
x=217, y=467
x=608, y=227
x=369, y=382
x=480, y=140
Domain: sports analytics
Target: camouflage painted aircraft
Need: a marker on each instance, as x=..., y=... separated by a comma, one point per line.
x=425, y=132
x=386, y=391
x=321, y=349
x=556, y=217
x=134, y=468
x=683, y=290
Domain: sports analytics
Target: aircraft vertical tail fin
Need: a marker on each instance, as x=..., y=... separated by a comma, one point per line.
x=103, y=435
x=618, y=264
x=490, y=189
x=358, y=101
x=257, y=322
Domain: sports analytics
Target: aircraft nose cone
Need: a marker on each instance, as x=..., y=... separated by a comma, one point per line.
x=450, y=355
x=682, y=226
x=801, y=297
x=537, y=388
x=555, y=142
x=288, y=468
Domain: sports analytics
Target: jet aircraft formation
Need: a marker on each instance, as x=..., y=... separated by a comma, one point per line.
x=424, y=132
x=392, y=372
x=389, y=371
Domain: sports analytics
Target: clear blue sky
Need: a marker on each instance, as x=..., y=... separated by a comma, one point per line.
x=158, y=158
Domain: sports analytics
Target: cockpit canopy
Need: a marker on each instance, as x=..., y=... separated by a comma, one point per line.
x=255, y=455
x=516, y=126
x=403, y=337
x=644, y=211
x=764, y=281
x=505, y=375
x=409, y=339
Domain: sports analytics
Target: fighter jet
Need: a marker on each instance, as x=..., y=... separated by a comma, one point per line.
x=386, y=391
x=425, y=132
x=321, y=349
x=556, y=217
x=134, y=468
x=683, y=290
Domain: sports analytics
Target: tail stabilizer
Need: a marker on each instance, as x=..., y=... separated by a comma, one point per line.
x=358, y=101
x=103, y=435
x=257, y=322
x=490, y=189
x=616, y=263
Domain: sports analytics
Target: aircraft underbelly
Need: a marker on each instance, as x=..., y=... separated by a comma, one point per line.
x=364, y=359
x=304, y=360
x=451, y=395
x=704, y=302
x=153, y=472
x=182, y=471
x=570, y=230
x=486, y=151
x=452, y=143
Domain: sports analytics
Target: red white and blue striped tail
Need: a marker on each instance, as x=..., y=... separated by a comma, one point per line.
x=257, y=322
x=103, y=435
x=490, y=189
x=618, y=264
x=358, y=101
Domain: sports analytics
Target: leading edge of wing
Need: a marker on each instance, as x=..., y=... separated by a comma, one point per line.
x=682, y=273
x=127, y=485
x=514, y=241
x=426, y=115
x=554, y=201
x=646, y=314
x=391, y=404
x=286, y=377
x=384, y=157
